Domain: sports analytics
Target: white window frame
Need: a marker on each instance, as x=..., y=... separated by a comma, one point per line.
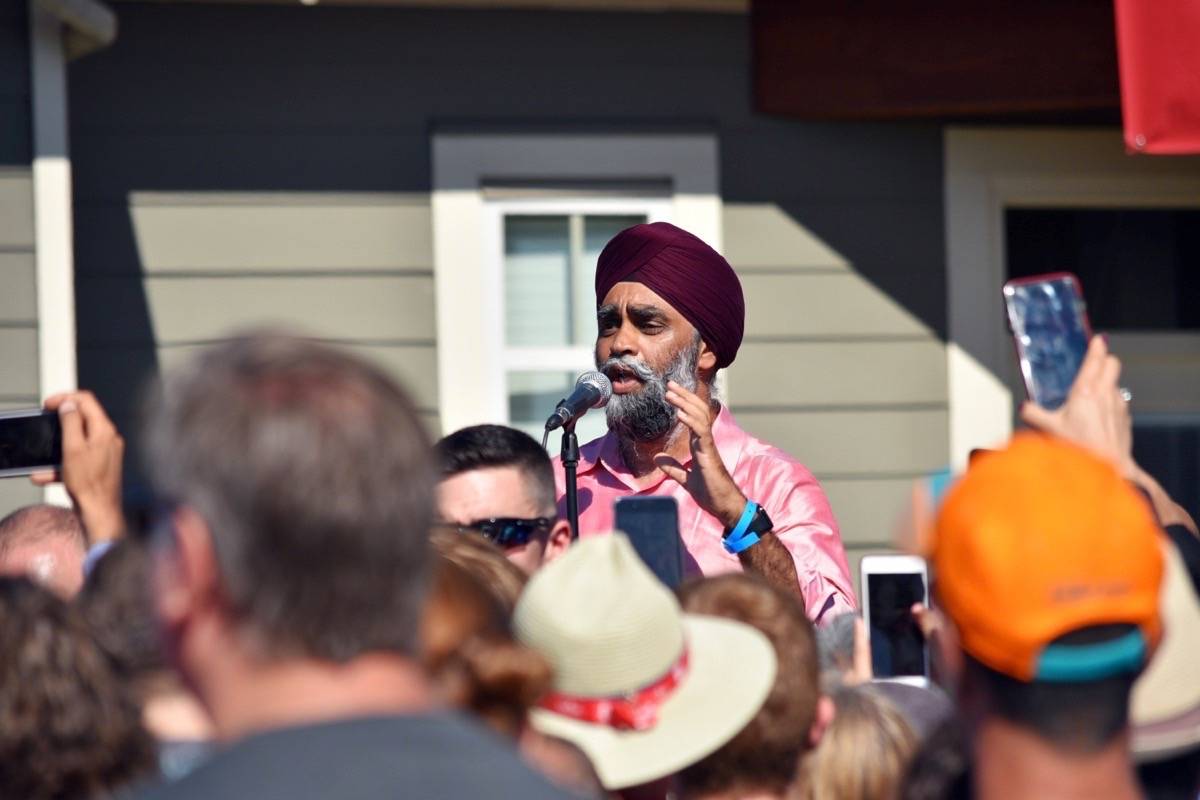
x=468, y=237
x=547, y=359
x=989, y=170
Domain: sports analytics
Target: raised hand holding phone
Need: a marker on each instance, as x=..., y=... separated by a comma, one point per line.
x=1095, y=414
x=92, y=455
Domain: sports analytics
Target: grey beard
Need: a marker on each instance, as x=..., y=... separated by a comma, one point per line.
x=646, y=416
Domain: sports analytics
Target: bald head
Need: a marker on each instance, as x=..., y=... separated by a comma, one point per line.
x=47, y=543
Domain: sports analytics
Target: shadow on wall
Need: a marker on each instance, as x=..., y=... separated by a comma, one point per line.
x=115, y=338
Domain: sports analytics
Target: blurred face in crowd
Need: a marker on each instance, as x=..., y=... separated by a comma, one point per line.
x=643, y=342
x=302, y=483
x=503, y=492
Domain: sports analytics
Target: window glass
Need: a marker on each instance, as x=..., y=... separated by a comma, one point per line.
x=537, y=278
x=532, y=395
x=1139, y=267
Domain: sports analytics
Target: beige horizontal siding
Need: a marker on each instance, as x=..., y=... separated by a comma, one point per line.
x=191, y=309
x=868, y=509
x=18, y=291
x=16, y=208
x=18, y=365
x=352, y=268
x=799, y=304
x=838, y=373
x=763, y=235
x=840, y=443
x=282, y=232
x=124, y=372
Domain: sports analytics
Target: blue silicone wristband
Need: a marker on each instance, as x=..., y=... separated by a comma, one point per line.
x=737, y=540
x=743, y=522
x=738, y=545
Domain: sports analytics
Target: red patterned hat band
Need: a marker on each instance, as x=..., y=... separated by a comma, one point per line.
x=636, y=711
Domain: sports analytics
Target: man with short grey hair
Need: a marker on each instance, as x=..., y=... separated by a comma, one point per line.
x=290, y=571
x=46, y=543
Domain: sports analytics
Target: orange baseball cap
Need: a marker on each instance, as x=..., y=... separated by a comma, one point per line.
x=1042, y=539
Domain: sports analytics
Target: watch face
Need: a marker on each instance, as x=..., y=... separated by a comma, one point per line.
x=761, y=522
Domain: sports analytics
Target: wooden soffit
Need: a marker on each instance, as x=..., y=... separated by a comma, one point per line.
x=1023, y=60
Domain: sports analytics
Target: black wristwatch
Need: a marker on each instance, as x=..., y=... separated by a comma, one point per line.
x=747, y=532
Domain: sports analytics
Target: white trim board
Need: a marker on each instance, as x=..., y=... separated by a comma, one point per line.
x=986, y=171
x=466, y=230
x=53, y=227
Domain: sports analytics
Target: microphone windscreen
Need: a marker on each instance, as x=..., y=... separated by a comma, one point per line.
x=601, y=382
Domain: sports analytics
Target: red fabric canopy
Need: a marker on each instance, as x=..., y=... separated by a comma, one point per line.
x=1158, y=46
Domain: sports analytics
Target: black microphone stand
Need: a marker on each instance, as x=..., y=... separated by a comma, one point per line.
x=570, y=461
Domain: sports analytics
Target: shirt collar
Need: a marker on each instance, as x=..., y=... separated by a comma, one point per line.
x=605, y=452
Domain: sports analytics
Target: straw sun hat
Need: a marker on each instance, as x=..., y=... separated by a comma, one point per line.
x=1165, y=707
x=642, y=688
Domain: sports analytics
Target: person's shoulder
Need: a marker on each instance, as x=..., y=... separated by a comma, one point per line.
x=480, y=763
x=439, y=755
x=763, y=457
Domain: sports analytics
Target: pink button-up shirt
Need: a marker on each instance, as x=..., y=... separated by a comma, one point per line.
x=791, y=495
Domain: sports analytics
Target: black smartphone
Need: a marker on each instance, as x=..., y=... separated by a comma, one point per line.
x=1049, y=324
x=652, y=525
x=30, y=441
x=891, y=584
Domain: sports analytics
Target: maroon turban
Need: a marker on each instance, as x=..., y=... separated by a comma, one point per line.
x=695, y=279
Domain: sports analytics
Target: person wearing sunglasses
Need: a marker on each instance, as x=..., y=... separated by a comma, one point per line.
x=497, y=483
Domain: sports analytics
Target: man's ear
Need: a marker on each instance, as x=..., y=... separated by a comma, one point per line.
x=186, y=576
x=558, y=541
x=826, y=711
x=707, y=362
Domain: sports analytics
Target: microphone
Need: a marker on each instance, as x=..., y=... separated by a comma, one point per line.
x=592, y=390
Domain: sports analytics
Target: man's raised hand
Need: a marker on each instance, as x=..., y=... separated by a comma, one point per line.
x=708, y=481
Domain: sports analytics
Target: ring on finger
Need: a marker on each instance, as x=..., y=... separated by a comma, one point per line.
x=1126, y=395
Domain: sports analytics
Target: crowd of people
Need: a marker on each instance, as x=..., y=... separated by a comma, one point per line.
x=322, y=602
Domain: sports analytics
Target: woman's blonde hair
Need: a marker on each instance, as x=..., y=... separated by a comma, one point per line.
x=863, y=754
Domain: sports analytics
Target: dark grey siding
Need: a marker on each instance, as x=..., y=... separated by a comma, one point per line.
x=18, y=301
x=206, y=127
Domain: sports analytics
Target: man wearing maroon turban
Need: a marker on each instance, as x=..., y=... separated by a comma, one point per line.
x=670, y=313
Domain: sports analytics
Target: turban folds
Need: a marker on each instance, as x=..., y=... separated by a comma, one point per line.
x=681, y=269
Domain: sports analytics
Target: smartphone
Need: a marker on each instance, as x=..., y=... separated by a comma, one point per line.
x=652, y=525
x=1050, y=329
x=890, y=587
x=30, y=441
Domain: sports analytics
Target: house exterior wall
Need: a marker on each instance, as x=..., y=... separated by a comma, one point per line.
x=18, y=294
x=250, y=164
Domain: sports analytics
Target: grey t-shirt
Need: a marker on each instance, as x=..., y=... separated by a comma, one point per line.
x=427, y=756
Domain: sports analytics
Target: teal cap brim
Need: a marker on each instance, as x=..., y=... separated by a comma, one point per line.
x=1092, y=662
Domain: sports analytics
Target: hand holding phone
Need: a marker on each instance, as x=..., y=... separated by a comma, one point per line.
x=891, y=586
x=1095, y=415
x=91, y=464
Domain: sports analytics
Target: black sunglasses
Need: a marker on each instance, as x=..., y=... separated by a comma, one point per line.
x=507, y=531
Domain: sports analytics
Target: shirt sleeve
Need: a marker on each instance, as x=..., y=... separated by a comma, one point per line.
x=804, y=522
